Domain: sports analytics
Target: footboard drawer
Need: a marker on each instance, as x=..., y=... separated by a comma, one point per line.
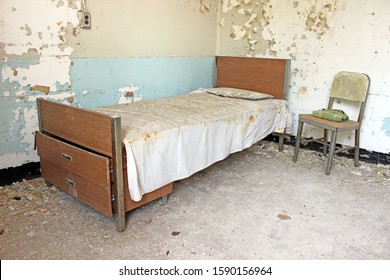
x=82, y=174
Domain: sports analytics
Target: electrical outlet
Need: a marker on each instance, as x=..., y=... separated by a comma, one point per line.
x=85, y=20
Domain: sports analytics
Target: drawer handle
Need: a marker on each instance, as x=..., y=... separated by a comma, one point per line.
x=70, y=182
x=67, y=157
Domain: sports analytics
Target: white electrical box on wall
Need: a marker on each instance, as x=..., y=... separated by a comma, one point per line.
x=85, y=21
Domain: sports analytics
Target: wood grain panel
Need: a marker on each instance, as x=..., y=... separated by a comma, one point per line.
x=82, y=127
x=265, y=75
x=93, y=167
x=78, y=187
x=146, y=198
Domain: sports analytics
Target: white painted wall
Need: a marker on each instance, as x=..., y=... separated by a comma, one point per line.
x=123, y=28
x=321, y=37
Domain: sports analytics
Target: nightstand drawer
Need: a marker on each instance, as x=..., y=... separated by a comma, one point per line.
x=92, y=167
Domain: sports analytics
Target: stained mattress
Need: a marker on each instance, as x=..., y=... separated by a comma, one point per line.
x=172, y=138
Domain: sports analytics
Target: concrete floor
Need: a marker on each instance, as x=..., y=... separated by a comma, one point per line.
x=256, y=204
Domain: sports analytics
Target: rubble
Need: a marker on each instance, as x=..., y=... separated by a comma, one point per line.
x=39, y=221
x=27, y=197
x=378, y=173
x=32, y=197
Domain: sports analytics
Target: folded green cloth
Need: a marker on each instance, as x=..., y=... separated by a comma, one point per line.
x=334, y=115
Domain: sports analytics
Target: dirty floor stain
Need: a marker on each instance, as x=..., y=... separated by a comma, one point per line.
x=256, y=204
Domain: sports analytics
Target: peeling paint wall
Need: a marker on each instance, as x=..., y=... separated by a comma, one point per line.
x=153, y=48
x=35, y=62
x=321, y=38
x=162, y=48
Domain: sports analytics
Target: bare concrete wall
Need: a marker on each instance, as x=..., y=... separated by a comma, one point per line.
x=321, y=38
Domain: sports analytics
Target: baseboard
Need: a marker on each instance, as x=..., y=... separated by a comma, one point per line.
x=366, y=156
x=15, y=174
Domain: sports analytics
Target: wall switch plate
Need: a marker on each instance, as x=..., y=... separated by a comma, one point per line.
x=85, y=21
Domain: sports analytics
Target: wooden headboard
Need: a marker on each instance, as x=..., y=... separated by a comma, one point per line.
x=267, y=75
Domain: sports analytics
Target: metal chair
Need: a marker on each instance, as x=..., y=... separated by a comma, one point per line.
x=347, y=86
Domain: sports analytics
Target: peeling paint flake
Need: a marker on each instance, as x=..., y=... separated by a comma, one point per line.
x=204, y=8
x=48, y=72
x=329, y=6
x=317, y=20
x=127, y=94
x=228, y=5
x=253, y=19
x=44, y=89
x=29, y=27
x=238, y=32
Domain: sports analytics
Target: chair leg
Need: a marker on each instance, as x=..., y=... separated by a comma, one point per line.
x=357, y=145
x=331, y=152
x=298, y=141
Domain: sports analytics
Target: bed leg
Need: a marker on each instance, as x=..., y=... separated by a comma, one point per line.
x=120, y=222
x=163, y=200
x=120, y=214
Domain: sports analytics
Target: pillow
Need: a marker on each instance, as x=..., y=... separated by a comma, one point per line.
x=238, y=93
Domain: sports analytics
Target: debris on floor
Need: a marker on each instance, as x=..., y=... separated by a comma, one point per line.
x=28, y=197
x=208, y=218
x=283, y=216
x=377, y=173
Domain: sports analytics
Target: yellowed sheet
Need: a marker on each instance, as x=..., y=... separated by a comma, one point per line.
x=172, y=138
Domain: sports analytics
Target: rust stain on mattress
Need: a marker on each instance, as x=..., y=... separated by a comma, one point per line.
x=251, y=118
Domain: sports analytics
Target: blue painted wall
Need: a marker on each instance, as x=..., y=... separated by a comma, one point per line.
x=156, y=77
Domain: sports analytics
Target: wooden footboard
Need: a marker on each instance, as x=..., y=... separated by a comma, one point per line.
x=76, y=136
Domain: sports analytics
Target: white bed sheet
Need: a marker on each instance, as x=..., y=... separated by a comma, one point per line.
x=172, y=138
